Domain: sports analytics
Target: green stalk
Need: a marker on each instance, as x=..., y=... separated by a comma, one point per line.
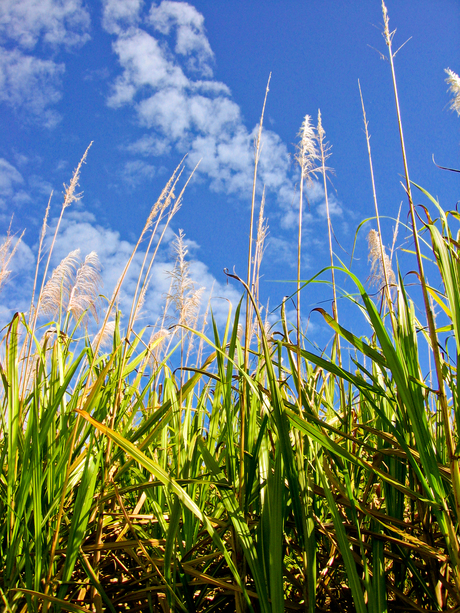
x=454, y=461
x=248, y=326
x=12, y=392
x=389, y=302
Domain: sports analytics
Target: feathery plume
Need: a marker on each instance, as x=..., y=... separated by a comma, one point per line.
x=73, y=287
x=105, y=335
x=262, y=232
x=395, y=233
x=69, y=197
x=325, y=147
x=378, y=268
x=140, y=301
x=39, y=257
x=69, y=190
x=193, y=309
x=267, y=329
x=158, y=338
x=86, y=289
x=307, y=153
x=7, y=251
x=387, y=35
x=454, y=85
x=57, y=290
x=156, y=344
x=183, y=295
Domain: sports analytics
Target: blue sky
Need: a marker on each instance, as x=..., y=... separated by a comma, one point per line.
x=151, y=82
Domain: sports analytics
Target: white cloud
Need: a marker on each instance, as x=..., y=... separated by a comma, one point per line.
x=185, y=112
x=39, y=185
x=30, y=83
x=282, y=250
x=145, y=65
x=274, y=161
x=11, y=190
x=22, y=260
x=222, y=294
x=191, y=40
x=22, y=269
x=308, y=326
x=9, y=177
x=167, y=110
x=58, y=22
x=227, y=161
x=314, y=206
x=197, y=116
x=136, y=172
x=120, y=14
x=149, y=145
x=182, y=118
x=289, y=218
x=334, y=207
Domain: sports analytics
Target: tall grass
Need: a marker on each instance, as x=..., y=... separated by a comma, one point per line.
x=263, y=477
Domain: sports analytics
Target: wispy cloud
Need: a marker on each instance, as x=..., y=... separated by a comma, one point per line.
x=55, y=22
x=167, y=69
x=167, y=79
x=150, y=145
x=11, y=187
x=9, y=177
x=283, y=251
x=29, y=82
x=136, y=172
x=191, y=40
x=314, y=207
x=118, y=15
x=22, y=267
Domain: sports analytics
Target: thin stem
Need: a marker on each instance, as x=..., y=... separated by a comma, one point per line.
x=377, y=217
x=248, y=300
x=299, y=257
x=324, y=154
x=69, y=197
x=306, y=157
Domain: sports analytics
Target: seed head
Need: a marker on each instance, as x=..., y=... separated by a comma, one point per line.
x=307, y=153
x=378, y=268
x=454, y=82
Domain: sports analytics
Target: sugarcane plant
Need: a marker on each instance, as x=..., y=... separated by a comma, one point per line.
x=236, y=467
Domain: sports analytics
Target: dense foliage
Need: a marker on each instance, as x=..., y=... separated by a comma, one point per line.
x=243, y=472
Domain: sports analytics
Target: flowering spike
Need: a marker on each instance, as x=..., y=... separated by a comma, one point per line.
x=307, y=152
x=454, y=82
